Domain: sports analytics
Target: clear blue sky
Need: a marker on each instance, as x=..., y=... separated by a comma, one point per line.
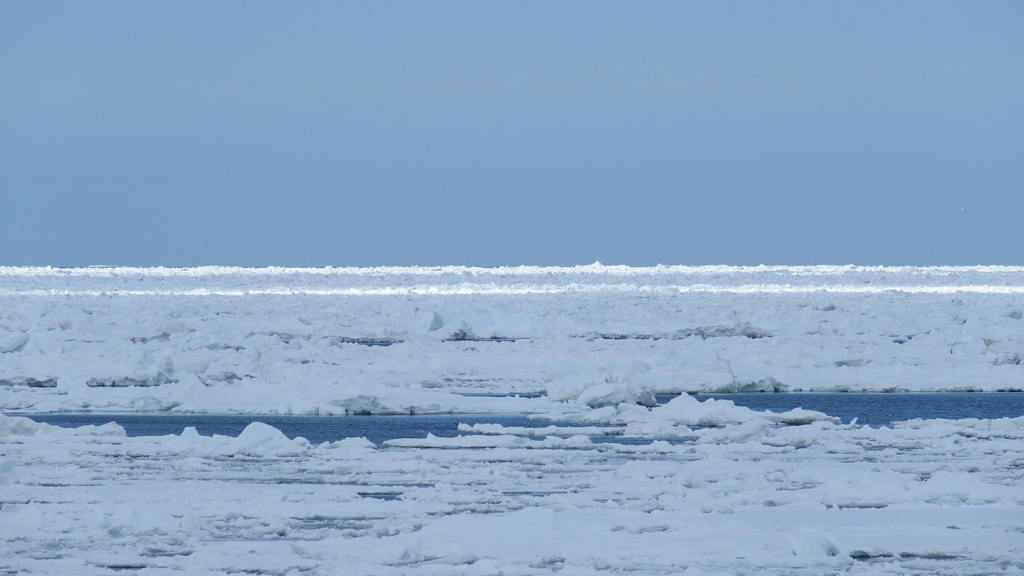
x=492, y=133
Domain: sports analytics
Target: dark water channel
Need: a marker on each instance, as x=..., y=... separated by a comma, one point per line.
x=881, y=409
x=870, y=409
x=316, y=429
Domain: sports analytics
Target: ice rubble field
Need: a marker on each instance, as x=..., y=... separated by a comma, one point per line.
x=923, y=497
x=734, y=492
x=400, y=340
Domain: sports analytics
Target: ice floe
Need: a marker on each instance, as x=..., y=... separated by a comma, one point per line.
x=923, y=497
x=411, y=340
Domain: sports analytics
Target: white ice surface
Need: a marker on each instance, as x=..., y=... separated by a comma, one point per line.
x=924, y=497
x=234, y=340
x=748, y=493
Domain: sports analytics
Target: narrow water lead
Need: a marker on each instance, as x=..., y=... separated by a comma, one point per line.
x=316, y=429
x=876, y=409
x=869, y=409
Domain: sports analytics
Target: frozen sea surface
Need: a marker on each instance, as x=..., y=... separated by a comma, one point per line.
x=417, y=340
x=707, y=486
x=923, y=497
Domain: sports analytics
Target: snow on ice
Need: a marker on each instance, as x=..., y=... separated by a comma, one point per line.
x=411, y=340
x=713, y=488
x=923, y=497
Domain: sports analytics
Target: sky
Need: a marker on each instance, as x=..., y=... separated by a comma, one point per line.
x=504, y=133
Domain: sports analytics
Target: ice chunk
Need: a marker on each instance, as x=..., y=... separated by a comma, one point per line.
x=498, y=429
x=12, y=342
x=436, y=323
x=615, y=394
x=20, y=426
x=361, y=405
x=749, y=430
x=260, y=437
x=568, y=387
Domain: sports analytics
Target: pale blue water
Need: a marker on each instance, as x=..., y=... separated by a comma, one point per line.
x=870, y=409
x=316, y=429
x=881, y=409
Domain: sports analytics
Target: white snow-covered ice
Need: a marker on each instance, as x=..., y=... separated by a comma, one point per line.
x=923, y=497
x=736, y=491
x=401, y=340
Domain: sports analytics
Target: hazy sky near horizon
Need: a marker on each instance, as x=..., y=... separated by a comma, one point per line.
x=504, y=133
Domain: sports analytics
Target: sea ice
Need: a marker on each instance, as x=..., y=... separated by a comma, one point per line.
x=415, y=340
x=924, y=497
x=701, y=488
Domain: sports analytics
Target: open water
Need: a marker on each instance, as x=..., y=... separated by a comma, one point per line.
x=868, y=409
x=882, y=409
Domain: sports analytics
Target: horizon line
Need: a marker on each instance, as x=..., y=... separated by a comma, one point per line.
x=596, y=268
